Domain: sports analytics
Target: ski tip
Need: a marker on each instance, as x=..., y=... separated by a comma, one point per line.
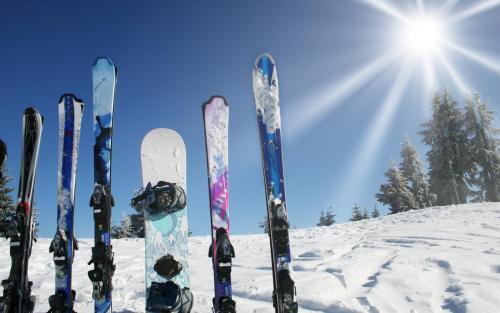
x=33, y=111
x=103, y=61
x=264, y=58
x=214, y=99
x=72, y=96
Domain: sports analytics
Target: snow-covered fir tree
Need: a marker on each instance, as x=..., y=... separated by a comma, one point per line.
x=7, y=207
x=484, y=160
x=365, y=214
x=124, y=229
x=395, y=192
x=447, y=155
x=326, y=218
x=356, y=213
x=375, y=213
x=413, y=171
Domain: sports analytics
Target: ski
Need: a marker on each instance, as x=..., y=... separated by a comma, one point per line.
x=3, y=156
x=163, y=201
x=266, y=95
x=64, y=243
x=104, y=81
x=17, y=296
x=216, y=118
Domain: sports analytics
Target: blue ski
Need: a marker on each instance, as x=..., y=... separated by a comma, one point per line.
x=104, y=81
x=266, y=95
x=64, y=242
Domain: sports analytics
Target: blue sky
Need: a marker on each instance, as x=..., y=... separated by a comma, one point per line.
x=172, y=56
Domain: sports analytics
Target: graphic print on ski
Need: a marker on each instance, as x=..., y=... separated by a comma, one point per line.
x=104, y=81
x=216, y=118
x=17, y=296
x=163, y=161
x=266, y=95
x=64, y=242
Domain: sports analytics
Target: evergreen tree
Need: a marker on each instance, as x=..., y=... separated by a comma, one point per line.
x=413, y=171
x=329, y=217
x=321, y=219
x=395, y=192
x=356, y=214
x=484, y=160
x=126, y=227
x=7, y=207
x=365, y=214
x=326, y=218
x=116, y=231
x=375, y=213
x=447, y=156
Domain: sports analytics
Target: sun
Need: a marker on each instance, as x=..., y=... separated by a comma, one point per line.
x=422, y=35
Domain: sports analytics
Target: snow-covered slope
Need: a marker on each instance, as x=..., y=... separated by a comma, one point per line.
x=442, y=259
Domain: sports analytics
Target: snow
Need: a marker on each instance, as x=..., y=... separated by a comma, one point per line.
x=267, y=99
x=441, y=259
x=216, y=128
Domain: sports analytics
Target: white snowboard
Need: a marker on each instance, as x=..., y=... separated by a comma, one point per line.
x=163, y=158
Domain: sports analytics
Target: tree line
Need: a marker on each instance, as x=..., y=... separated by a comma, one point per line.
x=463, y=159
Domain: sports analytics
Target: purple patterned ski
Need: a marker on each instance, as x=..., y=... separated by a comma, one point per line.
x=216, y=118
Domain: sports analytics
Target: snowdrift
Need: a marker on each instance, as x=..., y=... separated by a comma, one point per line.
x=440, y=259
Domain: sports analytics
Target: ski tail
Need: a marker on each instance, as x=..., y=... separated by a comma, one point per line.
x=216, y=119
x=17, y=288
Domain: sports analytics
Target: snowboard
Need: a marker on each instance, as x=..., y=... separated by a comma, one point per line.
x=216, y=119
x=163, y=159
x=64, y=243
x=266, y=95
x=104, y=81
x=17, y=296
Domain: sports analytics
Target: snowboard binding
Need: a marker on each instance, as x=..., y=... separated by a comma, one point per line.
x=168, y=297
x=100, y=276
x=57, y=303
x=279, y=227
x=285, y=292
x=164, y=197
x=224, y=254
x=167, y=267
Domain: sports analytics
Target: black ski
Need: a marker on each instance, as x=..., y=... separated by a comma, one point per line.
x=17, y=296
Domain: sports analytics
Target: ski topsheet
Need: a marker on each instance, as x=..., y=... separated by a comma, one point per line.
x=266, y=95
x=216, y=119
x=163, y=160
x=64, y=243
x=104, y=81
x=17, y=296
